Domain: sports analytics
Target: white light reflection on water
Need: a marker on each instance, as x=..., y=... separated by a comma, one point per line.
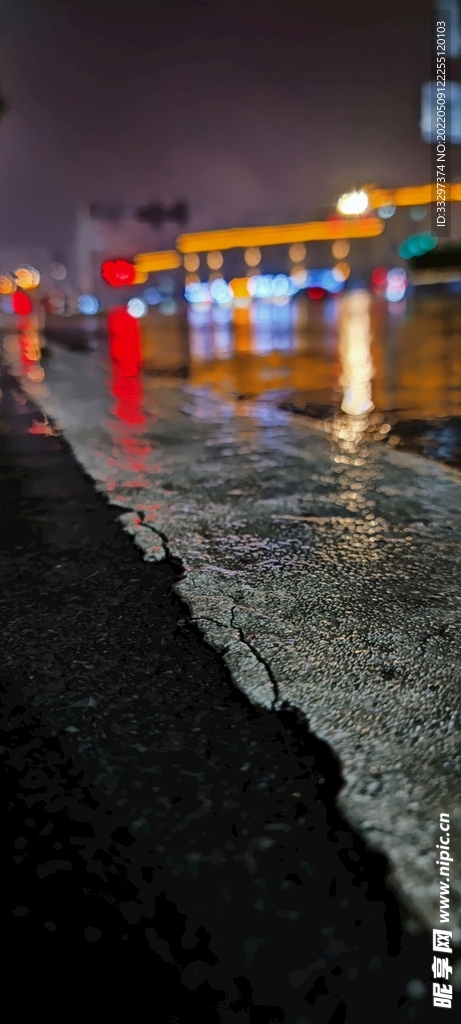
x=355, y=355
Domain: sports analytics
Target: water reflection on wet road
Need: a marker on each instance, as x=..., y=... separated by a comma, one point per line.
x=320, y=562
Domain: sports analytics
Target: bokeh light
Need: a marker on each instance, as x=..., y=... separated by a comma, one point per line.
x=166, y=285
x=137, y=308
x=21, y=303
x=340, y=249
x=417, y=245
x=215, y=260
x=396, y=284
x=418, y=213
x=252, y=256
x=220, y=292
x=56, y=304
x=7, y=284
x=88, y=304
x=316, y=293
x=197, y=292
x=58, y=271
x=379, y=280
x=385, y=212
x=118, y=273
x=299, y=276
x=297, y=252
x=192, y=262
x=341, y=271
x=153, y=296
x=352, y=204
x=27, y=278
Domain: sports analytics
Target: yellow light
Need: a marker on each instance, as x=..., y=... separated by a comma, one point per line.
x=297, y=252
x=27, y=278
x=412, y=195
x=299, y=276
x=252, y=256
x=192, y=279
x=7, y=285
x=340, y=249
x=280, y=234
x=355, y=354
x=32, y=348
x=192, y=262
x=341, y=271
x=215, y=277
x=215, y=260
x=352, y=204
x=149, y=262
x=239, y=287
x=141, y=276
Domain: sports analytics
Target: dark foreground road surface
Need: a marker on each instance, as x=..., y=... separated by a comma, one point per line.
x=169, y=841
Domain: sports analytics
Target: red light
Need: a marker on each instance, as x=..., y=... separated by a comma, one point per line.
x=379, y=280
x=118, y=273
x=21, y=303
x=126, y=354
x=124, y=341
x=316, y=293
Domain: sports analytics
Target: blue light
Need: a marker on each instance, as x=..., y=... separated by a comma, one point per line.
x=260, y=286
x=220, y=291
x=152, y=296
x=137, y=308
x=281, y=285
x=325, y=279
x=197, y=292
x=386, y=211
x=88, y=304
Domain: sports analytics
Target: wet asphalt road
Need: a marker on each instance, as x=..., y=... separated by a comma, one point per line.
x=167, y=864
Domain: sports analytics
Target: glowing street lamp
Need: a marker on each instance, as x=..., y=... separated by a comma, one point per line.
x=352, y=204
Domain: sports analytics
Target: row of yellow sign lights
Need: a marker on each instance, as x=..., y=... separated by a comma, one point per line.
x=287, y=234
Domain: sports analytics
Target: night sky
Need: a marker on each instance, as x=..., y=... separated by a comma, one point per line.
x=253, y=110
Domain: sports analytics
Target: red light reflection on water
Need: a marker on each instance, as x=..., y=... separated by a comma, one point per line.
x=126, y=358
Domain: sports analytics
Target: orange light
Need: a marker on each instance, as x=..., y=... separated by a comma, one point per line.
x=239, y=287
x=280, y=234
x=297, y=252
x=340, y=249
x=27, y=278
x=252, y=257
x=149, y=262
x=215, y=260
x=7, y=285
x=192, y=262
x=413, y=195
x=341, y=271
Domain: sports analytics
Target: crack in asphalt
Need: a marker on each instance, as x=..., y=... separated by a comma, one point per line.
x=276, y=704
